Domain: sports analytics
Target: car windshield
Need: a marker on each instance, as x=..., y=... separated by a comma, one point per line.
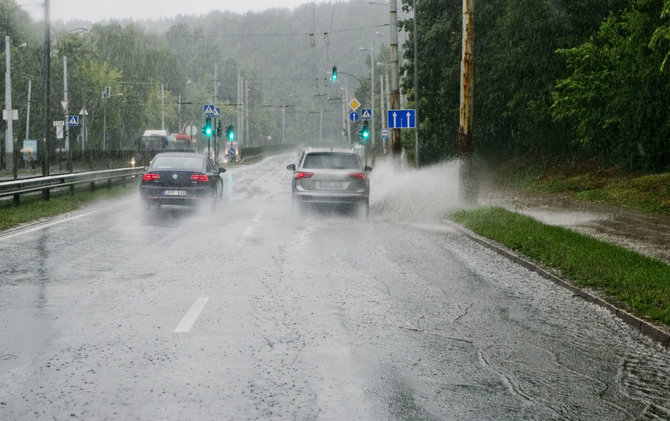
x=333, y=160
x=178, y=162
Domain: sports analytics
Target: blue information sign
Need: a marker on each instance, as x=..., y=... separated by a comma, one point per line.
x=401, y=119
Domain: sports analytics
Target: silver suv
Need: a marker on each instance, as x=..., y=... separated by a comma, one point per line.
x=329, y=176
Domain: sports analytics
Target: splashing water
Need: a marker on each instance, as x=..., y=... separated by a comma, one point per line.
x=416, y=196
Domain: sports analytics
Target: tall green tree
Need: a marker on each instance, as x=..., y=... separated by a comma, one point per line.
x=616, y=95
x=515, y=69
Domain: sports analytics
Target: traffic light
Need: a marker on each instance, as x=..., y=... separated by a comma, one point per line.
x=334, y=74
x=207, y=129
x=230, y=132
x=365, y=133
x=219, y=130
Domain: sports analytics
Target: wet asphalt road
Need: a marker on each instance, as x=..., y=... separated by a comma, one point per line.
x=251, y=311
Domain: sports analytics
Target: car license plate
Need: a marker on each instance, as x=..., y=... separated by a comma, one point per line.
x=331, y=185
x=174, y=193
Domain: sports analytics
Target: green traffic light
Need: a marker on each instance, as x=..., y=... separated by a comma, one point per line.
x=231, y=132
x=366, y=131
x=208, y=126
x=334, y=74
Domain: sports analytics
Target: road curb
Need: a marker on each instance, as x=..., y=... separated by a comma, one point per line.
x=641, y=325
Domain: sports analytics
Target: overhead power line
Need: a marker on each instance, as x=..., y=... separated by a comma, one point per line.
x=246, y=35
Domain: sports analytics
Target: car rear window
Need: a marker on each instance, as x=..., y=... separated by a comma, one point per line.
x=333, y=160
x=178, y=162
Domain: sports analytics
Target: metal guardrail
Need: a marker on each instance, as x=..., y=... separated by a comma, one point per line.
x=18, y=187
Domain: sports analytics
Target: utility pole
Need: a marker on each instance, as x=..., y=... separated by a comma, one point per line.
x=396, y=146
x=46, y=76
x=8, y=114
x=105, y=96
x=162, y=108
x=239, y=109
x=246, y=112
x=416, y=92
x=346, y=96
x=468, y=186
x=373, y=63
x=66, y=111
x=216, y=126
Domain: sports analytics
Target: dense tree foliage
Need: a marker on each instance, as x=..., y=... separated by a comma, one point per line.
x=553, y=77
x=615, y=93
x=165, y=71
x=587, y=78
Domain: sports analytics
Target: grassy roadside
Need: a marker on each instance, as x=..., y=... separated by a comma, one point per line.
x=639, y=282
x=589, y=182
x=33, y=207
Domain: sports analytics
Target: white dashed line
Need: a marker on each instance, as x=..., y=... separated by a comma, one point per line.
x=191, y=315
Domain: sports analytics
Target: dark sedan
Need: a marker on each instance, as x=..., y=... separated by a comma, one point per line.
x=179, y=178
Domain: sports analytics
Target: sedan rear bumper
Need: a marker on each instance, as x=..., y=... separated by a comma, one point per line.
x=174, y=196
x=330, y=198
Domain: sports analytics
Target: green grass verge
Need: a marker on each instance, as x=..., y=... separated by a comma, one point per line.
x=590, y=182
x=32, y=207
x=642, y=283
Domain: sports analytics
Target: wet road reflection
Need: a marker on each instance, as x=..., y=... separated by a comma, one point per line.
x=307, y=316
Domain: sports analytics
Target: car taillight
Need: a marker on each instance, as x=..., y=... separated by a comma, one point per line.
x=358, y=176
x=150, y=176
x=304, y=175
x=200, y=177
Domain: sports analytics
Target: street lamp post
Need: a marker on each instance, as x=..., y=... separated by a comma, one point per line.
x=105, y=96
x=47, y=97
x=66, y=110
x=8, y=113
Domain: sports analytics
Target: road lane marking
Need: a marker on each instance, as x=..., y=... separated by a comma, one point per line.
x=250, y=229
x=191, y=315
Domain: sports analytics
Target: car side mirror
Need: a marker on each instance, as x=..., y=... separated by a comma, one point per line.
x=291, y=167
x=367, y=168
x=221, y=170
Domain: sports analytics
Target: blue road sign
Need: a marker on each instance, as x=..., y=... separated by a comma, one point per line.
x=401, y=119
x=209, y=110
x=217, y=112
x=353, y=116
x=73, y=120
x=385, y=133
x=366, y=114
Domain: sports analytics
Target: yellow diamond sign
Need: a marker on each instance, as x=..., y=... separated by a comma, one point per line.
x=354, y=104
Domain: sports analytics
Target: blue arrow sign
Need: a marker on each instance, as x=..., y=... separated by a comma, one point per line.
x=366, y=114
x=73, y=120
x=353, y=116
x=401, y=119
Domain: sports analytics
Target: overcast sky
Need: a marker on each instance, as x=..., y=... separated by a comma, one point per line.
x=96, y=10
